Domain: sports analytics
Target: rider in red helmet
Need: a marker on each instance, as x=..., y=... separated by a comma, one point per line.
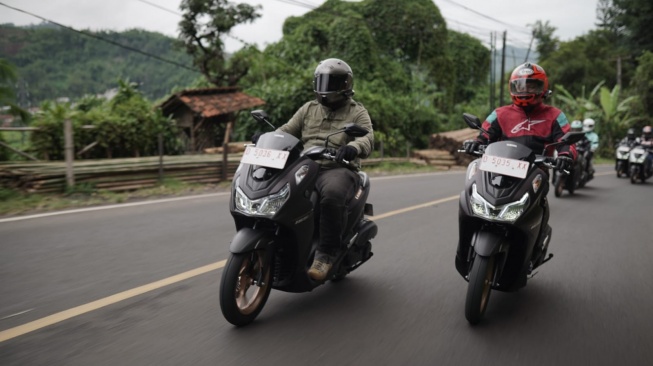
x=528, y=121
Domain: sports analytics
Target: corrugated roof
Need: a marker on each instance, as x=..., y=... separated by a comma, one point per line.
x=212, y=102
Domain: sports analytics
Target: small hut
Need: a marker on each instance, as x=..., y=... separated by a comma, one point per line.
x=206, y=116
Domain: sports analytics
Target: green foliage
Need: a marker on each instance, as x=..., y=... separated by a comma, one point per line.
x=53, y=63
x=608, y=108
x=126, y=126
x=403, y=72
x=642, y=85
x=8, y=77
x=4, y=153
x=583, y=62
x=203, y=24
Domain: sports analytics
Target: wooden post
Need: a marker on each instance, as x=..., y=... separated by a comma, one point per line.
x=160, y=141
x=69, y=152
x=225, y=155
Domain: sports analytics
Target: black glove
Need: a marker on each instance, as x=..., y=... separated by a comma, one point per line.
x=563, y=162
x=256, y=136
x=470, y=146
x=346, y=152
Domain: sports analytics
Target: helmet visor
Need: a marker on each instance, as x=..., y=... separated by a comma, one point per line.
x=526, y=86
x=327, y=83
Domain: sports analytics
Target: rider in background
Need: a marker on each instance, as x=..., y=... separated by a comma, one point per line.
x=647, y=141
x=588, y=127
x=631, y=139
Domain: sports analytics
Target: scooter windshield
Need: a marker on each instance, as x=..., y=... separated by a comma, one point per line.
x=512, y=150
x=279, y=141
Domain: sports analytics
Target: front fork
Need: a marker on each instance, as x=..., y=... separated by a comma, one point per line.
x=487, y=243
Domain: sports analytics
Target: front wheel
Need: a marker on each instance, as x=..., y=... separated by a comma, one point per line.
x=245, y=287
x=479, y=288
x=634, y=172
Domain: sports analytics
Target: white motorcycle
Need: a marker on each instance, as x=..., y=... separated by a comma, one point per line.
x=622, y=155
x=637, y=161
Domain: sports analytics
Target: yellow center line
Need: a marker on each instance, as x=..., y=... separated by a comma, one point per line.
x=109, y=300
x=83, y=309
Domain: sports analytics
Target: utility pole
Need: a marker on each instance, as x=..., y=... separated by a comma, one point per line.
x=503, y=67
x=69, y=152
x=492, y=71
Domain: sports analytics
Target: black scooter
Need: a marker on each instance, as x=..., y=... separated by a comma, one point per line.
x=578, y=175
x=274, y=206
x=503, y=219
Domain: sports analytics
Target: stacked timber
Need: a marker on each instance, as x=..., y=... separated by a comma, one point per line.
x=115, y=174
x=436, y=157
x=451, y=141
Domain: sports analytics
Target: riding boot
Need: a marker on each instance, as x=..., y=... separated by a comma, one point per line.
x=332, y=223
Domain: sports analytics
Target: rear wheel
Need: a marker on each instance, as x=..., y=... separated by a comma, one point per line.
x=479, y=288
x=245, y=287
x=559, y=185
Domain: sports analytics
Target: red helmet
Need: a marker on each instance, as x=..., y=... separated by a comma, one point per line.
x=528, y=85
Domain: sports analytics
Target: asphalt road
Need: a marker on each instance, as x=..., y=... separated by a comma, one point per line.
x=81, y=288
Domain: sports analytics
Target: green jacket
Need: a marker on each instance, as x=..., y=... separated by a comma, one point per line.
x=313, y=122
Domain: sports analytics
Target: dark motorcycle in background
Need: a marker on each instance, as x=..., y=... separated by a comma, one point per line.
x=274, y=206
x=502, y=219
x=579, y=174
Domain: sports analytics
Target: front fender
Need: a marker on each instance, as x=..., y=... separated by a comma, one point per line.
x=487, y=243
x=248, y=239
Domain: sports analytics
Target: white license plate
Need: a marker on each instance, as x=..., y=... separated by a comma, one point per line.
x=505, y=166
x=265, y=157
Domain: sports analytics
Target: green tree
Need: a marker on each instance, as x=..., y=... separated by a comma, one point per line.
x=203, y=24
x=547, y=42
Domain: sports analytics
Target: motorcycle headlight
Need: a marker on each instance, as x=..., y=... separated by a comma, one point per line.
x=266, y=206
x=509, y=212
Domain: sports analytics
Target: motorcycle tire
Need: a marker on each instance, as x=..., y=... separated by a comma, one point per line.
x=241, y=297
x=479, y=288
x=559, y=186
x=633, y=175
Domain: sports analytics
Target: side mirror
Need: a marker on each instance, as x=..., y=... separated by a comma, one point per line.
x=472, y=121
x=573, y=137
x=262, y=117
x=355, y=130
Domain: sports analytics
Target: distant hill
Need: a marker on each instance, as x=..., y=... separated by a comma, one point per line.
x=57, y=63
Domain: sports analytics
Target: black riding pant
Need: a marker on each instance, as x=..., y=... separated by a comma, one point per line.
x=336, y=187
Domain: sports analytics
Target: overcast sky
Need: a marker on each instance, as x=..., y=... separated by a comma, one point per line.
x=476, y=17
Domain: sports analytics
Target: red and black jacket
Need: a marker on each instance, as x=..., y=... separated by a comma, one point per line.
x=542, y=125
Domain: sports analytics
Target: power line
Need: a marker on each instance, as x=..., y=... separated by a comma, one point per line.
x=180, y=14
x=103, y=39
x=488, y=17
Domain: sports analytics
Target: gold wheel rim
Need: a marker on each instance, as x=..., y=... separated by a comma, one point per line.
x=248, y=294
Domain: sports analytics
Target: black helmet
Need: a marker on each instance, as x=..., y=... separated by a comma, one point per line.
x=631, y=134
x=333, y=82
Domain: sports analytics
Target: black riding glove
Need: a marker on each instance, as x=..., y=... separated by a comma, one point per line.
x=470, y=146
x=346, y=152
x=563, y=162
x=256, y=136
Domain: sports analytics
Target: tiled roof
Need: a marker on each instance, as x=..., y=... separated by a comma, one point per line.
x=212, y=102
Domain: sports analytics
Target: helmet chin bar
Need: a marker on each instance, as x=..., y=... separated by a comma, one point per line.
x=332, y=100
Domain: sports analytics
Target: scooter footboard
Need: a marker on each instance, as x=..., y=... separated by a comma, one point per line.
x=248, y=239
x=367, y=231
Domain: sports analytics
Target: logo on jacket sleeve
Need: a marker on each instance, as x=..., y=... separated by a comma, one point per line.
x=526, y=125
